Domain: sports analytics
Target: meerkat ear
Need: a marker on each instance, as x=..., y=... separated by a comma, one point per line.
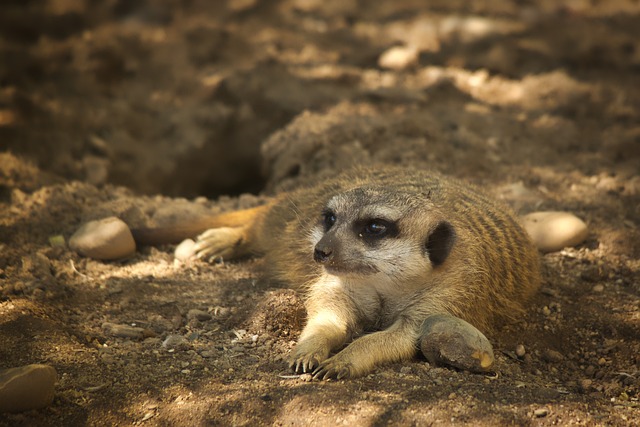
x=439, y=243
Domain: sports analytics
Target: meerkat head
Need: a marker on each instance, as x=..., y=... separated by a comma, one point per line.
x=369, y=231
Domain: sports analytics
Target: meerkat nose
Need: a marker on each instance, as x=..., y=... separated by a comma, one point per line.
x=322, y=255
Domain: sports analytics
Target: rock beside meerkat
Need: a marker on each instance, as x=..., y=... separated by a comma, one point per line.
x=552, y=231
x=104, y=239
x=27, y=387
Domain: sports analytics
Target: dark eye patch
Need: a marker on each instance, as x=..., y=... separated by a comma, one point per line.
x=375, y=228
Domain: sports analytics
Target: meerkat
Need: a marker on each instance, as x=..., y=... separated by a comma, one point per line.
x=375, y=253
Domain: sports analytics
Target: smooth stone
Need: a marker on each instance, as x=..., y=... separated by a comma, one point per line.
x=552, y=231
x=399, y=57
x=104, y=239
x=449, y=340
x=552, y=356
x=123, y=331
x=539, y=413
x=27, y=387
x=185, y=250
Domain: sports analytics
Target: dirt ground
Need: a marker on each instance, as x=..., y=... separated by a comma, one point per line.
x=161, y=110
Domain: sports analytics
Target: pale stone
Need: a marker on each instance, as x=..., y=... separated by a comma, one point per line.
x=551, y=231
x=539, y=413
x=104, y=239
x=399, y=57
x=27, y=387
x=449, y=340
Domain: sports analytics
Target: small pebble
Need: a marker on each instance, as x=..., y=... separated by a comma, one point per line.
x=598, y=289
x=552, y=231
x=399, y=58
x=585, y=384
x=520, y=351
x=123, y=331
x=552, y=356
x=405, y=370
x=200, y=315
x=185, y=250
x=57, y=241
x=27, y=387
x=542, y=412
x=208, y=354
x=105, y=239
x=449, y=340
x=174, y=341
x=221, y=311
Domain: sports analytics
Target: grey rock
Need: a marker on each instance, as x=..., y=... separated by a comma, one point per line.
x=123, y=331
x=174, y=341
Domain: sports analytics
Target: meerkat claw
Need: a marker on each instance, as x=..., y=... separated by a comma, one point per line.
x=304, y=365
x=332, y=370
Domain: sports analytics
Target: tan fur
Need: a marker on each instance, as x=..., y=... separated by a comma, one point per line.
x=380, y=290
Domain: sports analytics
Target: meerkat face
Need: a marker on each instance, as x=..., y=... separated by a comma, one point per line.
x=366, y=232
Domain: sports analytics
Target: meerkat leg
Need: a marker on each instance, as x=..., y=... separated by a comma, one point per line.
x=396, y=343
x=323, y=333
x=328, y=328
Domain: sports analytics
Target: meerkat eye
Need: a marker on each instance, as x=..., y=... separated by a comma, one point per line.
x=328, y=219
x=377, y=228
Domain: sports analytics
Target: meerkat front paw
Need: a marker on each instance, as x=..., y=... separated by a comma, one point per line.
x=218, y=243
x=336, y=367
x=307, y=357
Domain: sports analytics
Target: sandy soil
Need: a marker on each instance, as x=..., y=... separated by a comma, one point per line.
x=161, y=110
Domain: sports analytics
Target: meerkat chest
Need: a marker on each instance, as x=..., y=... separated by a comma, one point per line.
x=378, y=303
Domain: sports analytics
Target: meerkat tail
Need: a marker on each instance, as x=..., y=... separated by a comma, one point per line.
x=172, y=234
